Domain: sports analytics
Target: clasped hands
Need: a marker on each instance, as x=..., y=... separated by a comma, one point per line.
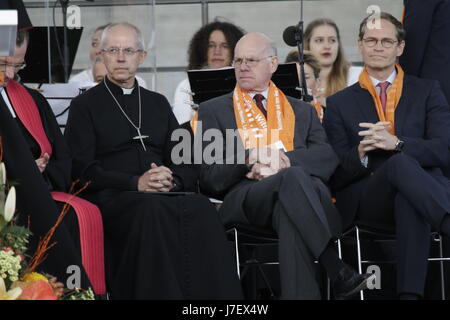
x=377, y=136
x=157, y=179
x=265, y=162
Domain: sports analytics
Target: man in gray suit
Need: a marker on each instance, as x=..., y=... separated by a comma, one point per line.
x=276, y=173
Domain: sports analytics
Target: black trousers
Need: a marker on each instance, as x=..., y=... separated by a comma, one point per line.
x=294, y=204
x=403, y=194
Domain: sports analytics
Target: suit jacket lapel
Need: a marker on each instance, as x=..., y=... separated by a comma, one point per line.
x=230, y=112
x=365, y=105
x=403, y=107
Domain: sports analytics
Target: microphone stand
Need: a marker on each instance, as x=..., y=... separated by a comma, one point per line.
x=64, y=5
x=299, y=39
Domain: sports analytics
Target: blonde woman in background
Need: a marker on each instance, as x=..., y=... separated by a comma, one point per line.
x=322, y=39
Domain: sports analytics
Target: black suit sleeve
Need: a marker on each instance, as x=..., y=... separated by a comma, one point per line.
x=350, y=168
x=220, y=174
x=433, y=149
x=418, y=26
x=317, y=158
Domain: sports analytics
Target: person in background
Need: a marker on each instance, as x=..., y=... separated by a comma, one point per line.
x=323, y=40
x=87, y=78
x=312, y=72
x=427, y=49
x=211, y=47
x=99, y=70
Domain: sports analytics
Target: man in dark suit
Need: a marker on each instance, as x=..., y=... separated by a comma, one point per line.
x=279, y=180
x=427, y=49
x=391, y=133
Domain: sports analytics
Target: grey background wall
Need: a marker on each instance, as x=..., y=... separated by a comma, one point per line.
x=175, y=24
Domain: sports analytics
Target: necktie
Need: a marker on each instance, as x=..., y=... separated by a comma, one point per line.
x=258, y=100
x=383, y=93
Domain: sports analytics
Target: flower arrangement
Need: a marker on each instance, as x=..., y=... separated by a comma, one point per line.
x=18, y=279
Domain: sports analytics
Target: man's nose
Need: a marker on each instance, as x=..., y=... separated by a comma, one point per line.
x=379, y=46
x=120, y=56
x=244, y=66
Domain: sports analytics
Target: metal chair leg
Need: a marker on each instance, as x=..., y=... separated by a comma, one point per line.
x=359, y=258
x=442, y=268
x=339, y=249
x=236, y=248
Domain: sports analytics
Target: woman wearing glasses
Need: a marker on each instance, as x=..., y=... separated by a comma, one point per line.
x=211, y=47
x=322, y=39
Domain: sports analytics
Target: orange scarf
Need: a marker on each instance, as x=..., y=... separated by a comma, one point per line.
x=194, y=122
x=319, y=109
x=393, y=95
x=255, y=130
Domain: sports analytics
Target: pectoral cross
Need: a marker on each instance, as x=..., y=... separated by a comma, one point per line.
x=141, y=137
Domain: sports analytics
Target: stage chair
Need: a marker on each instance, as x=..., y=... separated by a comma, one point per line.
x=360, y=230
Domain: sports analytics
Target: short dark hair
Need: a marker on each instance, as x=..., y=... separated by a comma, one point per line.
x=400, y=31
x=22, y=37
x=198, y=47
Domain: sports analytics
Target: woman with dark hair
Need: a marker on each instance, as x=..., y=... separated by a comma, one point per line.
x=322, y=39
x=211, y=47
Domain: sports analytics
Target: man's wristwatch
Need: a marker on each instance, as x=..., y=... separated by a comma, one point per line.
x=399, y=146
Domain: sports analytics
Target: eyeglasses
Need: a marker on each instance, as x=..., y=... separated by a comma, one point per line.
x=18, y=66
x=248, y=61
x=386, y=42
x=126, y=51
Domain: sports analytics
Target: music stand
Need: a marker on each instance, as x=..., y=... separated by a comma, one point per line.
x=210, y=83
x=37, y=57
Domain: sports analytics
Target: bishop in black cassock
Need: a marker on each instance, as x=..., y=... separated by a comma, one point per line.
x=158, y=245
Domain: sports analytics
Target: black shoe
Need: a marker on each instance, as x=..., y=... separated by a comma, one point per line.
x=349, y=283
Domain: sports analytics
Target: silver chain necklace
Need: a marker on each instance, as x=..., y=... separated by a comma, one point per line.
x=137, y=128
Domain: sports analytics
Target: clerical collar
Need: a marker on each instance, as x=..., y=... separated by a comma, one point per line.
x=118, y=90
x=127, y=91
x=8, y=103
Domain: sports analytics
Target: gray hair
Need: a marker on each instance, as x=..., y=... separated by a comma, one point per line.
x=140, y=39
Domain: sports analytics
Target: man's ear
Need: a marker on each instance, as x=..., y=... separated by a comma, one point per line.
x=359, y=43
x=143, y=56
x=274, y=64
x=400, y=48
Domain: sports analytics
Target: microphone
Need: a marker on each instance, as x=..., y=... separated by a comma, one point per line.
x=293, y=37
x=289, y=36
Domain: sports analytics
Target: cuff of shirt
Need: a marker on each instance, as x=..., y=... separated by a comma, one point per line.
x=365, y=161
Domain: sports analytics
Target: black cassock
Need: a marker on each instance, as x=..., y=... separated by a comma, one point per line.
x=158, y=246
x=34, y=202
